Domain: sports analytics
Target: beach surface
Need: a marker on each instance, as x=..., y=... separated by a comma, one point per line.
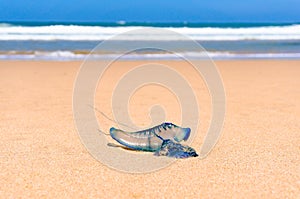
x=257, y=156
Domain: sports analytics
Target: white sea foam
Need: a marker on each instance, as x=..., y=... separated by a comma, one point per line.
x=87, y=33
x=67, y=55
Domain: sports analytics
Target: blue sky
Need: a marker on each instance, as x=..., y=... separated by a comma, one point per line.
x=151, y=10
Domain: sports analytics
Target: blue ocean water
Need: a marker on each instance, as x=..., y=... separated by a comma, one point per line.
x=68, y=41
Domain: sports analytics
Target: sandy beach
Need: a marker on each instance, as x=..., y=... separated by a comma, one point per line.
x=257, y=156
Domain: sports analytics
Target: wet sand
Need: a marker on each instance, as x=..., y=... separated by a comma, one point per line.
x=257, y=155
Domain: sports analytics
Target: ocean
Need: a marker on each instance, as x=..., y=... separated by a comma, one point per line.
x=73, y=41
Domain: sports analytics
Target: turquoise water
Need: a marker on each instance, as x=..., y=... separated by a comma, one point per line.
x=152, y=24
x=73, y=40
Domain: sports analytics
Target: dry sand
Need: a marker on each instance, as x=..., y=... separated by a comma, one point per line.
x=258, y=154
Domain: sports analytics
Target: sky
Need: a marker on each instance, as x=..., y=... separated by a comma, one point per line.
x=151, y=10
